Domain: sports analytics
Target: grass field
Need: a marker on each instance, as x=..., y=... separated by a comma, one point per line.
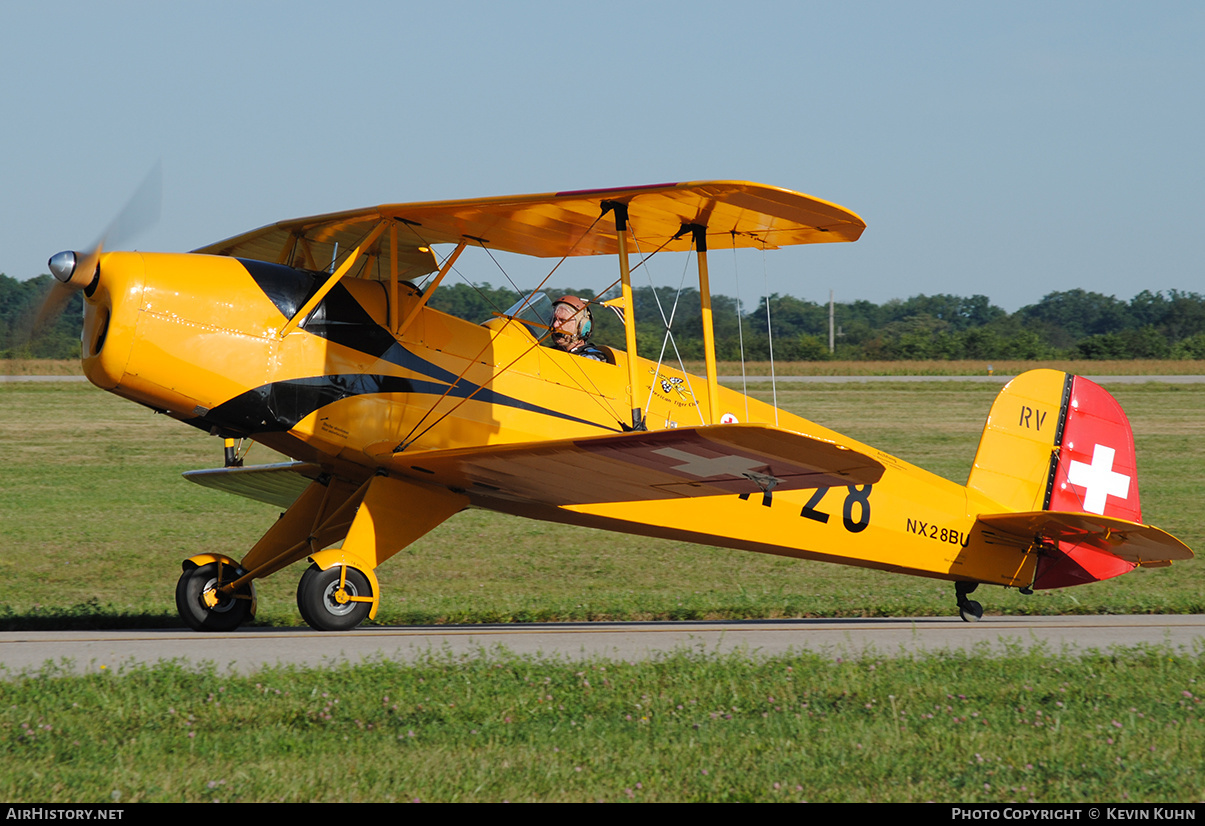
x=95, y=521
x=1127, y=367
x=1124, y=727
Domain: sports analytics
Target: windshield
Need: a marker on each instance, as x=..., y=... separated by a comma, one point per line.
x=534, y=310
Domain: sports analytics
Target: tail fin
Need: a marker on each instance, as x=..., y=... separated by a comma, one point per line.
x=1059, y=443
x=1019, y=447
x=1055, y=441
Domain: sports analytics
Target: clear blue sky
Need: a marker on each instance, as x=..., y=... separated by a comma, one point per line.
x=1009, y=149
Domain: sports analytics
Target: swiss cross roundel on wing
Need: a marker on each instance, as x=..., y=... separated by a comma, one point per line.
x=1096, y=470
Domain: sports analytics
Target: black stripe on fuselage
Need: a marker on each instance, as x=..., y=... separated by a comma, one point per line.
x=280, y=405
x=286, y=287
x=339, y=318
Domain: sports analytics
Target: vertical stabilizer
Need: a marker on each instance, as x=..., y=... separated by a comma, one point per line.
x=1019, y=446
x=1058, y=442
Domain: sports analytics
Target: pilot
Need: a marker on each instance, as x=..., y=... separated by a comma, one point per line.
x=572, y=323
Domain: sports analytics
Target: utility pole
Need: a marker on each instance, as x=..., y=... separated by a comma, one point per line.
x=831, y=336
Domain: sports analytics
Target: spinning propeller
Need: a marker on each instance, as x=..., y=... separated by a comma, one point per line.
x=75, y=271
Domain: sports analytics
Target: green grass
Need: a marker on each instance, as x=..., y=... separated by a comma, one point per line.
x=1120, y=367
x=1124, y=726
x=96, y=520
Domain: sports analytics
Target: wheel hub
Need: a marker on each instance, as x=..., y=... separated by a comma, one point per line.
x=209, y=598
x=339, y=600
x=214, y=600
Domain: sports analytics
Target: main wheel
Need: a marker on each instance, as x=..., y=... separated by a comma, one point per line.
x=230, y=610
x=318, y=598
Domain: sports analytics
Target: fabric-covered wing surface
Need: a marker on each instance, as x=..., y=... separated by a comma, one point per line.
x=278, y=484
x=640, y=466
x=556, y=224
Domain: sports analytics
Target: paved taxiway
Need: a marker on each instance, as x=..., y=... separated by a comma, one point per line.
x=251, y=649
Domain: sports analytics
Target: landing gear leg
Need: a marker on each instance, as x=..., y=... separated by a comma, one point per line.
x=968, y=609
x=340, y=590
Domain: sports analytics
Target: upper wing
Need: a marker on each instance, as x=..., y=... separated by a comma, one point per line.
x=556, y=224
x=1135, y=543
x=665, y=464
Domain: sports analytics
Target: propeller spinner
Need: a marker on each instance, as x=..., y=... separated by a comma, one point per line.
x=66, y=267
x=79, y=271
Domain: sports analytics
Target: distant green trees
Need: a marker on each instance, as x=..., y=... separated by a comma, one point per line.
x=1071, y=324
x=19, y=304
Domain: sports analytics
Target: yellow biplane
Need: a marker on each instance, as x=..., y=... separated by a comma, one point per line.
x=310, y=337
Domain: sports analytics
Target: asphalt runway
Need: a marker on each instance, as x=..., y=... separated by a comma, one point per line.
x=252, y=649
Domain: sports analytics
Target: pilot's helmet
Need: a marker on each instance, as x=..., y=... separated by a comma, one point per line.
x=581, y=311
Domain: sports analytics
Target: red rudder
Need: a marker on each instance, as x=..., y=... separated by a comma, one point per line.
x=1095, y=473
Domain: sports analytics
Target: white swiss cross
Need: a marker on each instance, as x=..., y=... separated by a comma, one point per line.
x=703, y=467
x=1098, y=479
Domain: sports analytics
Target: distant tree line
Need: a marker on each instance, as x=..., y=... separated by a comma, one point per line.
x=1076, y=324
x=19, y=304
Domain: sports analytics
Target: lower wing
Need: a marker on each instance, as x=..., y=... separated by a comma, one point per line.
x=665, y=464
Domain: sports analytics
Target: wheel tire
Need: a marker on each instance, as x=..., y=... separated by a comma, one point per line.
x=316, y=598
x=227, y=615
x=970, y=611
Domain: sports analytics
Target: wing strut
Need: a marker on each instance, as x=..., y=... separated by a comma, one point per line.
x=713, y=389
x=427, y=293
x=629, y=316
x=330, y=282
x=393, y=279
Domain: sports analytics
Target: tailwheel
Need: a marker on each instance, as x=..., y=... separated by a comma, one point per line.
x=205, y=608
x=968, y=609
x=337, y=599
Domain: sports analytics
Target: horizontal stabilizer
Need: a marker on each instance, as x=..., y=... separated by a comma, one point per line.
x=639, y=466
x=278, y=484
x=1133, y=542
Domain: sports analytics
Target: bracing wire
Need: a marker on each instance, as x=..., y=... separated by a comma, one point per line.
x=410, y=438
x=406, y=442
x=668, y=338
x=505, y=274
x=423, y=286
x=480, y=292
x=770, y=334
x=740, y=327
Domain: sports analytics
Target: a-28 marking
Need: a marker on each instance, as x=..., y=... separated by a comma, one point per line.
x=857, y=499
